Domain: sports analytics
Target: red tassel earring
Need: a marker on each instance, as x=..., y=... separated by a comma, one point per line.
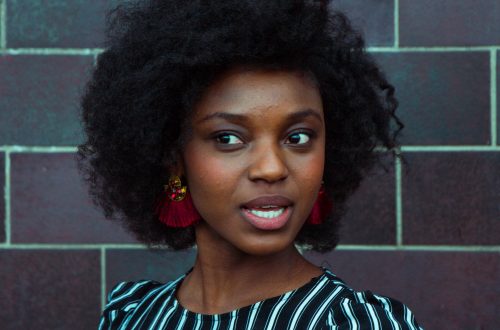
x=321, y=208
x=176, y=208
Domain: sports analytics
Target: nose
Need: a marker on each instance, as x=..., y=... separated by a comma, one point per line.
x=268, y=164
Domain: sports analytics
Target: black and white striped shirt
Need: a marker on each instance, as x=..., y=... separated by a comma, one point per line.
x=325, y=302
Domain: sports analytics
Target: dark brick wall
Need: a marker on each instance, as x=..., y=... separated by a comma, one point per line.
x=427, y=233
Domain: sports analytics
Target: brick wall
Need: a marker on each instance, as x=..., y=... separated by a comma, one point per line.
x=429, y=236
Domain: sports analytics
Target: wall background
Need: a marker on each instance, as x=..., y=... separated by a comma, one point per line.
x=429, y=237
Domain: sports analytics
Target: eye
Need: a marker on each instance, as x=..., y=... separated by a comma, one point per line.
x=227, y=138
x=299, y=138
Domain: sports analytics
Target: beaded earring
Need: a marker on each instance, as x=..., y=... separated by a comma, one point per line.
x=321, y=208
x=176, y=209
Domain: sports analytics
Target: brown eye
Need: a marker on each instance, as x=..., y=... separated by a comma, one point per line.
x=299, y=138
x=226, y=138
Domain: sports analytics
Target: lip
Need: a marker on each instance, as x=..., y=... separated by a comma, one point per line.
x=276, y=200
x=268, y=223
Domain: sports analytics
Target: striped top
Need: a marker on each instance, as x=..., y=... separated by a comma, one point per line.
x=325, y=302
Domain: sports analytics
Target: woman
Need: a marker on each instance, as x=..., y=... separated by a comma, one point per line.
x=241, y=128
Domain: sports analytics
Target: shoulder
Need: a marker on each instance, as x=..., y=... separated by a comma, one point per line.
x=125, y=297
x=366, y=310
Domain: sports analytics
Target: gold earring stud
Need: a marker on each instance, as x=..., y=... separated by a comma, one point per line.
x=176, y=191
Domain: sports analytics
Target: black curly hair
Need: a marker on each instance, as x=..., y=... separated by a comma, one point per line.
x=160, y=55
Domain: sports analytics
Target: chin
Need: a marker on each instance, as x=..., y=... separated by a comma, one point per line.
x=263, y=248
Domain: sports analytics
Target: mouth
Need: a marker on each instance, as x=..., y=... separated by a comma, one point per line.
x=267, y=212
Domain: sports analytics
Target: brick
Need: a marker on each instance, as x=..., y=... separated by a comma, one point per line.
x=2, y=199
x=371, y=217
x=452, y=198
x=434, y=285
x=40, y=97
x=54, y=23
x=375, y=18
x=444, y=96
x=50, y=204
x=49, y=289
x=449, y=23
x=134, y=265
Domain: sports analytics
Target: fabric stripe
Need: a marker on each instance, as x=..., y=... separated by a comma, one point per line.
x=199, y=322
x=233, y=320
x=129, y=292
x=409, y=318
x=116, y=289
x=322, y=308
x=308, y=298
x=182, y=320
x=349, y=313
x=147, y=309
x=169, y=312
x=375, y=321
x=271, y=321
x=253, y=315
x=215, y=322
x=387, y=306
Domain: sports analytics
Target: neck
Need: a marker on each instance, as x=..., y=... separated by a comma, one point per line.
x=221, y=270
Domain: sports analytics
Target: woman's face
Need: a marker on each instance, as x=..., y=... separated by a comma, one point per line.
x=254, y=162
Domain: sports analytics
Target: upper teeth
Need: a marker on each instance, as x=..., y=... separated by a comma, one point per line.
x=267, y=214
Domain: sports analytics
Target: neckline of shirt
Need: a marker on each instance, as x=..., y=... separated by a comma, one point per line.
x=258, y=304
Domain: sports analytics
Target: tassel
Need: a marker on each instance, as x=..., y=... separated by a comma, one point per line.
x=180, y=214
x=321, y=208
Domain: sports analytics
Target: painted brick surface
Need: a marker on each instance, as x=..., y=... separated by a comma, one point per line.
x=47, y=289
x=374, y=18
x=445, y=290
x=54, y=23
x=444, y=96
x=371, y=217
x=429, y=237
x=452, y=198
x=160, y=266
x=51, y=205
x=39, y=103
x=2, y=200
x=449, y=22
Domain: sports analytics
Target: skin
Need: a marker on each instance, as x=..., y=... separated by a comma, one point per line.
x=229, y=160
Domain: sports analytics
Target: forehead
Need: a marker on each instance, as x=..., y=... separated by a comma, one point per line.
x=244, y=90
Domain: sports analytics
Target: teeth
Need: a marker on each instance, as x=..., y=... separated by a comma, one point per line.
x=267, y=214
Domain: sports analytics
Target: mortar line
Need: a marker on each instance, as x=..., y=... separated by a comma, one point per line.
x=62, y=246
x=423, y=248
x=7, y=200
x=103, y=278
x=407, y=148
x=399, y=204
x=433, y=49
x=353, y=247
x=48, y=149
x=51, y=51
x=493, y=96
x=3, y=24
x=97, y=51
x=487, y=148
x=396, y=23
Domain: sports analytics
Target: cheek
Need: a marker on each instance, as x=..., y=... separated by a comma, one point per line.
x=209, y=177
x=308, y=174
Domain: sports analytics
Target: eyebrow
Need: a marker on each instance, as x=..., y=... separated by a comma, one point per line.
x=302, y=114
